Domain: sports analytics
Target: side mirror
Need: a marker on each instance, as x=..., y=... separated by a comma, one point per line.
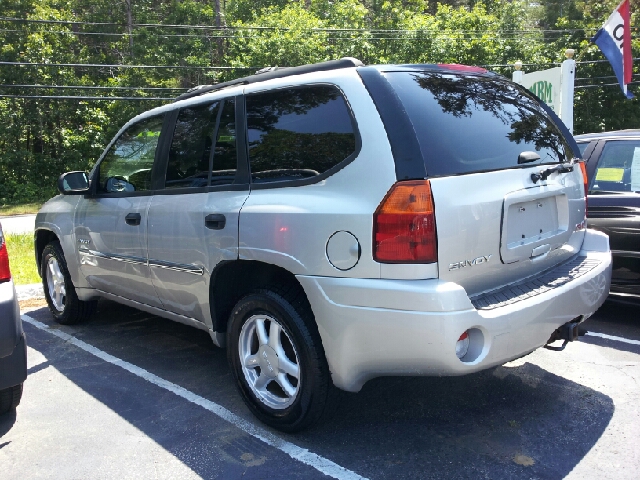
x=73, y=183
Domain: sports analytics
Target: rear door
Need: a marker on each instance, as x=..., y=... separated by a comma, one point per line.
x=509, y=204
x=110, y=226
x=193, y=220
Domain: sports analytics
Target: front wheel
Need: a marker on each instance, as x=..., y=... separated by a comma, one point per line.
x=277, y=359
x=64, y=304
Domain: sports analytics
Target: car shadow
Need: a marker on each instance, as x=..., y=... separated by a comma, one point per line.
x=502, y=423
x=7, y=421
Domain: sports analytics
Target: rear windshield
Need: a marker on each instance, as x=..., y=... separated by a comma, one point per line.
x=468, y=123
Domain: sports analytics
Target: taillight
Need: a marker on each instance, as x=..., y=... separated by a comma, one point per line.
x=585, y=181
x=404, y=225
x=5, y=272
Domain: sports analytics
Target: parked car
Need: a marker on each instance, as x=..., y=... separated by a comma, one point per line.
x=13, y=345
x=336, y=222
x=613, y=168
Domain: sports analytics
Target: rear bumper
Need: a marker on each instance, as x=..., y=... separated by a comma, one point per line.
x=378, y=327
x=13, y=347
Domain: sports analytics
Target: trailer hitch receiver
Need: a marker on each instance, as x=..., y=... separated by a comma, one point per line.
x=568, y=332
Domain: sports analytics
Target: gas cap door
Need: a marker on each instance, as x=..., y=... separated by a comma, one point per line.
x=343, y=250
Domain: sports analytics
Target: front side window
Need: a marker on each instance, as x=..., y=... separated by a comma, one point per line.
x=298, y=133
x=190, y=150
x=474, y=123
x=127, y=165
x=619, y=168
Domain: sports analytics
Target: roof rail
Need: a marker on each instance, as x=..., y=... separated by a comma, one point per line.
x=274, y=72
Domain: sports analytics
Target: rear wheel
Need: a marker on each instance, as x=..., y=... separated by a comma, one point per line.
x=10, y=398
x=277, y=359
x=59, y=291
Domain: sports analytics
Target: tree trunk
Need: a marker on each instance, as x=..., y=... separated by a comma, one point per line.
x=129, y=25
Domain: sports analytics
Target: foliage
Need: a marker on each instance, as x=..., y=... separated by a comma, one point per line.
x=42, y=138
x=21, y=259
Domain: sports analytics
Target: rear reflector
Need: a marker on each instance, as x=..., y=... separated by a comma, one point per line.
x=404, y=225
x=462, y=345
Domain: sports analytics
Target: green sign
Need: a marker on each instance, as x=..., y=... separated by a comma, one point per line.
x=544, y=90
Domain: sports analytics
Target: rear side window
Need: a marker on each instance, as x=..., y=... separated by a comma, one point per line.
x=469, y=123
x=618, y=168
x=583, y=147
x=127, y=165
x=298, y=133
x=190, y=150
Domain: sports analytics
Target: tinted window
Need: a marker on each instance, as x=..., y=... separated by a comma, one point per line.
x=468, y=123
x=298, y=133
x=224, y=157
x=618, y=169
x=190, y=150
x=127, y=165
x=583, y=147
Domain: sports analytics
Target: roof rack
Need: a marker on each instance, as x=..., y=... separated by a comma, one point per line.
x=274, y=72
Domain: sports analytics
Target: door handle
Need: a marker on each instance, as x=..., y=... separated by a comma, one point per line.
x=215, y=221
x=133, y=219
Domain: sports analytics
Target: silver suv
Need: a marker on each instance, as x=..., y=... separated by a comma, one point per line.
x=336, y=222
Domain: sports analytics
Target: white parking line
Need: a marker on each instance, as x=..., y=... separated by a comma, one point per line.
x=303, y=455
x=611, y=337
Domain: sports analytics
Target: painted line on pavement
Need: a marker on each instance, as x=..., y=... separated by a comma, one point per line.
x=303, y=455
x=611, y=337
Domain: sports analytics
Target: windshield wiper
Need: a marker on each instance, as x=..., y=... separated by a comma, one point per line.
x=544, y=174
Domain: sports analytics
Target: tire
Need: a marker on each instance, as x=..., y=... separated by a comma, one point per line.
x=10, y=398
x=292, y=393
x=59, y=291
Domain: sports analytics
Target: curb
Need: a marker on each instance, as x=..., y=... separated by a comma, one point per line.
x=33, y=290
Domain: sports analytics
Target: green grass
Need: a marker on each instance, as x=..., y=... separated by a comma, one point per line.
x=25, y=208
x=21, y=259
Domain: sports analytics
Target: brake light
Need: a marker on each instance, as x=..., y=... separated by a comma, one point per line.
x=5, y=272
x=585, y=181
x=404, y=225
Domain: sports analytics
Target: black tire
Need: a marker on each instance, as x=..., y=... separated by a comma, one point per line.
x=10, y=398
x=67, y=309
x=291, y=310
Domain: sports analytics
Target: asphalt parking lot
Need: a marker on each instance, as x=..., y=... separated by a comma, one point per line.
x=130, y=395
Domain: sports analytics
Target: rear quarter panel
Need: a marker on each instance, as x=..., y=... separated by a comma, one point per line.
x=290, y=226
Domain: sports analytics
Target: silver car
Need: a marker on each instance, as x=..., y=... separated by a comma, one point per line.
x=337, y=222
x=13, y=345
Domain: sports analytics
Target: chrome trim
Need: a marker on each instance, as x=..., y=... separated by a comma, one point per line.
x=114, y=256
x=178, y=267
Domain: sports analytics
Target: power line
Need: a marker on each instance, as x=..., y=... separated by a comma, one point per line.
x=78, y=97
x=100, y=65
x=87, y=87
x=581, y=87
x=227, y=27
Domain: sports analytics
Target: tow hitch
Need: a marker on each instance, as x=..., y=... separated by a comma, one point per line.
x=568, y=332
